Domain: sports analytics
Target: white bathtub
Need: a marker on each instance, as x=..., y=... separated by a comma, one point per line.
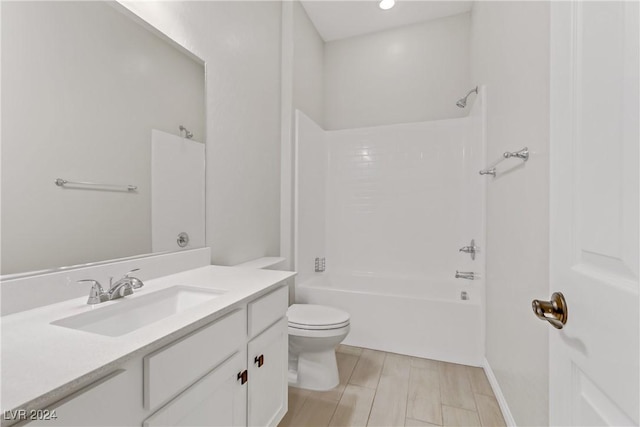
x=423, y=318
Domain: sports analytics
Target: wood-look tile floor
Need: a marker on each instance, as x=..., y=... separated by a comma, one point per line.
x=386, y=389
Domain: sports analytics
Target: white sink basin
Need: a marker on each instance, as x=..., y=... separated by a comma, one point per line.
x=127, y=315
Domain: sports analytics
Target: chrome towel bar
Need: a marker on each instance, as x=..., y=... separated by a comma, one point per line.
x=63, y=182
x=521, y=154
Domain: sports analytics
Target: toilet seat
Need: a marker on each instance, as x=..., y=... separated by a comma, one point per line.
x=314, y=317
x=318, y=333
x=318, y=327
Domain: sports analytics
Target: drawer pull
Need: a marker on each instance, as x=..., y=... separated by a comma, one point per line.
x=259, y=360
x=243, y=377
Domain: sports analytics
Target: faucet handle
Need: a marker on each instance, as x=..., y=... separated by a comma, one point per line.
x=97, y=293
x=126, y=276
x=472, y=249
x=131, y=271
x=135, y=282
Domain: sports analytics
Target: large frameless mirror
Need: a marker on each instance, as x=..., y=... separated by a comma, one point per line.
x=103, y=131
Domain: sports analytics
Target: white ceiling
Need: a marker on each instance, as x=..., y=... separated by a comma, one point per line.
x=336, y=20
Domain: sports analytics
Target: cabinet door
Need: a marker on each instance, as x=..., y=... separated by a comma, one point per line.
x=268, y=382
x=217, y=399
x=87, y=406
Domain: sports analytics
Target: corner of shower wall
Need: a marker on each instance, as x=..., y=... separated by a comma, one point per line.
x=311, y=156
x=474, y=195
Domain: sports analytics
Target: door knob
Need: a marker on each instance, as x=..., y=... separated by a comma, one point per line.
x=554, y=311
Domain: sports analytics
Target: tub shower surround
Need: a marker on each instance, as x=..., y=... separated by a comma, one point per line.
x=419, y=318
x=390, y=208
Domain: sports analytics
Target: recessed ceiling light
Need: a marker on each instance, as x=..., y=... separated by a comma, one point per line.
x=387, y=4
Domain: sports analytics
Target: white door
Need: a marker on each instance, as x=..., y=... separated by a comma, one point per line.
x=594, y=375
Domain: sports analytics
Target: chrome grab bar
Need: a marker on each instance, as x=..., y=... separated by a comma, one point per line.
x=520, y=154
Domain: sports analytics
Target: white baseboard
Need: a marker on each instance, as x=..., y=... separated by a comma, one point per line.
x=504, y=408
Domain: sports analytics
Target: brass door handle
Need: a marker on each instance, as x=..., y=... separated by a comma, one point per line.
x=554, y=311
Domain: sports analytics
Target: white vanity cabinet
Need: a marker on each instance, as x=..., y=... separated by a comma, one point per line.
x=249, y=388
x=172, y=369
x=267, y=400
x=230, y=372
x=267, y=362
x=112, y=400
x=217, y=399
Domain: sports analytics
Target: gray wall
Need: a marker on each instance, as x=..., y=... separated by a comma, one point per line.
x=510, y=55
x=408, y=74
x=308, y=66
x=240, y=43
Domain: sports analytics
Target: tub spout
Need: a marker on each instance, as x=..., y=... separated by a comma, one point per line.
x=469, y=275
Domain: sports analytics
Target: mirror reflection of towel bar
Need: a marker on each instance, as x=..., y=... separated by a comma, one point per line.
x=63, y=182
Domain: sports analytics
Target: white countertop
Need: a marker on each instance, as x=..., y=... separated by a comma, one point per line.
x=41, y=362
x=264, y=262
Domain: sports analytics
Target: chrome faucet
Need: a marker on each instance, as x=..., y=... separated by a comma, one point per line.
x=124, y=286
x=97, y=293
x=469, y=275
x=119, y=289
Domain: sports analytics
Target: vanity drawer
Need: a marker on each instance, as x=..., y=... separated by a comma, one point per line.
x=264, y=311
x=170, y=370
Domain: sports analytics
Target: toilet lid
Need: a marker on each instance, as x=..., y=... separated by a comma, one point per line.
x=311, y=316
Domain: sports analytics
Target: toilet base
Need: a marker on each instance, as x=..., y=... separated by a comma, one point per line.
x=316, y=371
x=312, y=357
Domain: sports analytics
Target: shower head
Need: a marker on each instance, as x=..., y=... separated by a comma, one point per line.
x=462, y=102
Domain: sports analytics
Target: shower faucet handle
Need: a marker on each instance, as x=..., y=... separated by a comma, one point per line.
x=472, y=249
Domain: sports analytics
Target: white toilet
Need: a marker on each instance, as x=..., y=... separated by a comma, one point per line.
x=314, y=333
